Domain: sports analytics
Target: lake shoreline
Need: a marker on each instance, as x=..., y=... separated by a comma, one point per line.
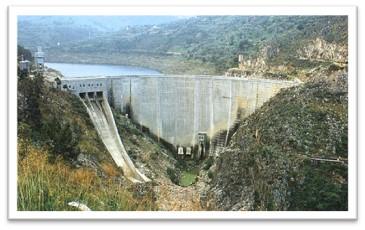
x=164, y=64
x=71, y=70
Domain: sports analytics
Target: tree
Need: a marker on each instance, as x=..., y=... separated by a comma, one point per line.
x=61, y=136
x=27, y=55
x=244, y=46
x=29, y=97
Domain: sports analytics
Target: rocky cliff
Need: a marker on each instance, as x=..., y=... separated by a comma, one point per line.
x=291, y=154
x=321, y=50
x=272, y=62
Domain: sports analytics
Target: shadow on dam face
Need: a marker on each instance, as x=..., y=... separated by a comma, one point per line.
x=177, y=110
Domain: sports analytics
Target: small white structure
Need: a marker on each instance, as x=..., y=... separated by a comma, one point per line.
x=180, y=151
x=240, y=58
x=188, y=151
x=24, y=65
x=39, y=59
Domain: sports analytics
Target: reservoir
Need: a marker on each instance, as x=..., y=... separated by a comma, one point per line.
x=90, y=70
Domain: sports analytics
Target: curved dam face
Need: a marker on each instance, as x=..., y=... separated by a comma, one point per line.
x=179, y=109
x=102, y=117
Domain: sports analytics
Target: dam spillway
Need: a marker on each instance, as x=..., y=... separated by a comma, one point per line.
x=102, y=117
x=178, y=108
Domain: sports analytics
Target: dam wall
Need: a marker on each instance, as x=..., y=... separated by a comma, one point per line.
x=178, y=108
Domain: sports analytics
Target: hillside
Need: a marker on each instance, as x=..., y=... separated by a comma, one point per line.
x=52, y=31
x=214, y=41
x=182, y=46
x=61, y=158
x=291, y=154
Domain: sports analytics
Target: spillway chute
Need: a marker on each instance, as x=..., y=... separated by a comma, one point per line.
x=102, y=117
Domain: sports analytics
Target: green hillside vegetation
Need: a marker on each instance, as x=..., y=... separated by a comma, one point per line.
x=56, y=119
x=47, y=31
x=27, y=55
x=270, y=155
x=214, y=41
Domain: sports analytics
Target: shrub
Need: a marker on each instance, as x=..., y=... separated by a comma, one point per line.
x=210, y=174
x=62, y=137
x=172, y=175
x=208, y=163
x=187, y=178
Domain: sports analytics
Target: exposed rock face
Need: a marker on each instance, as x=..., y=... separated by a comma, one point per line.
x=260, y=62
x=268, y=164
x=272, y=62
x=232, y=190
x=251, y=64
x=87, y=161
x=261, y=65
x=322, y=50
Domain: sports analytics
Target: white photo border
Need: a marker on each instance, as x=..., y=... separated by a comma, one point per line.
x=350, y=11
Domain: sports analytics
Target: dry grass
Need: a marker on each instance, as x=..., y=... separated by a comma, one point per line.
x=83, y=176
x=45, y=186
x=109, y=169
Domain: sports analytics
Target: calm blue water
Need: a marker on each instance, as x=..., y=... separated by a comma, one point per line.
x=88, y=70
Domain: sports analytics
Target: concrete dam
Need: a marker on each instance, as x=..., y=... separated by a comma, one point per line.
x=188, y=112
